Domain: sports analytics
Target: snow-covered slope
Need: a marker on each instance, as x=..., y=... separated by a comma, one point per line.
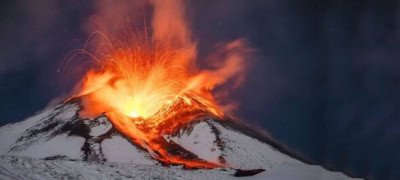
x=36, y=169
x=60, y=133
x=212, y=141
x=58, y=142
x=40, y=136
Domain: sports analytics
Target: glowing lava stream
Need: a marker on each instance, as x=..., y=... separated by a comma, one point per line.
x=155, y=144
x=150, y=87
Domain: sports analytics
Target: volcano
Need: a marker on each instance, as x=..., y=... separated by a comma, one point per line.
x=146, y=109
x=59, y=143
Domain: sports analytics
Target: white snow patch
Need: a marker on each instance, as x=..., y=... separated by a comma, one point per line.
x=199, y=141
x=244, y=152
x=119, y=149
x=300, y=172
x=11, y=132
x=67, y=112
x=14, y=168
x=102, y=128
x=62, y=145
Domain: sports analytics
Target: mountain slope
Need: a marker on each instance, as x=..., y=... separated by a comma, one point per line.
x=215, y=141
x=25, y=168
x=60, y=133
x=59, y=138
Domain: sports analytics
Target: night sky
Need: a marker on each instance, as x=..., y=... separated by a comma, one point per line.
x=324, y=79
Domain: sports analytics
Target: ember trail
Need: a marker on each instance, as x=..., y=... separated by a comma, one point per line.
x=148, y=84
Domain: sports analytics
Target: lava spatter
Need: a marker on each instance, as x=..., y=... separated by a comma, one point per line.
x=148, y=84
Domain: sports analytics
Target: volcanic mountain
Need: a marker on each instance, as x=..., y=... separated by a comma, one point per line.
x=54, y=143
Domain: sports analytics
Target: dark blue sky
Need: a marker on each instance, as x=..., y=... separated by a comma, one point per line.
x=325, y=80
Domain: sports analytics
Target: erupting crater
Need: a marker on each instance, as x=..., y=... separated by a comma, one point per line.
x=148, y=84
x=146, y=89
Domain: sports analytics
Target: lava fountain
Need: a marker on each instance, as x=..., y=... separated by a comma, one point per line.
x=147, y=82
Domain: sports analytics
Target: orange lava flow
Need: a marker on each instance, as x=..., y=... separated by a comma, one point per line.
x=149, y=87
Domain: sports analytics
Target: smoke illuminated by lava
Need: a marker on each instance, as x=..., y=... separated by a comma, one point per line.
x=147, y=83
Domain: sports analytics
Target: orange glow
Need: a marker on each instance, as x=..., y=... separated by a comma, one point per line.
x=148, y=87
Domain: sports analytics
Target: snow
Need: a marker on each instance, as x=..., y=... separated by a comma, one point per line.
x=239, y=150
x=15, y=168
x=11, y=132
x=102, y=128
x=40, y=145
x=298, y=171
x=67, y=112
x=25, y=143
x=61, y=145
x=119, y=149
x=244, y=152
x=200, y=141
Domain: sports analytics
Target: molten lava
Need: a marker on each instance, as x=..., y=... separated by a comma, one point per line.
x=149, y=87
